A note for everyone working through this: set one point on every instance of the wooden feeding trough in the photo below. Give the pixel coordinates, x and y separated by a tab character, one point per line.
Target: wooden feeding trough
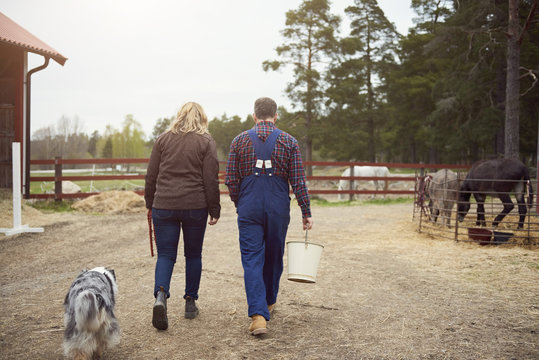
482	236
487	237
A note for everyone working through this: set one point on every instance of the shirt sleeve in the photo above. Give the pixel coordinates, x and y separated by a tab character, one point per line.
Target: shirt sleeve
210	173
297	181
151	175
232	176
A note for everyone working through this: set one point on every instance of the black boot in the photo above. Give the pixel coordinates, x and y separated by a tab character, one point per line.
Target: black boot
191	310
160	320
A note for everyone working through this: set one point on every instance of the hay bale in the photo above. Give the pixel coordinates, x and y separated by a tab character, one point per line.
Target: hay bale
6	210
112	202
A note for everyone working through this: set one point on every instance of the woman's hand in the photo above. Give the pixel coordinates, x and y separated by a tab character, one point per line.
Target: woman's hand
213	220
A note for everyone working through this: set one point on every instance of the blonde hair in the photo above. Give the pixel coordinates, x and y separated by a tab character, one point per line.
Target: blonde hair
190	118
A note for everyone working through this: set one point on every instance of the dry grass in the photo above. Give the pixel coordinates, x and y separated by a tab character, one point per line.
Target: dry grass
384	291
528	236
111	202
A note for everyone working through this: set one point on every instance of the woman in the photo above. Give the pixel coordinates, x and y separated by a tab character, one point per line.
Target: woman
182	188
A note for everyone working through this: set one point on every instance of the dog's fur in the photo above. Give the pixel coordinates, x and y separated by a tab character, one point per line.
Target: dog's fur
90	324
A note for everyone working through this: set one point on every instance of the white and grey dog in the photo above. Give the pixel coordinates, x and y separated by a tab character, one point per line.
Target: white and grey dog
90	324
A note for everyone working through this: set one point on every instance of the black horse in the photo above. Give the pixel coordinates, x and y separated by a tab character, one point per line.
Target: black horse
501	177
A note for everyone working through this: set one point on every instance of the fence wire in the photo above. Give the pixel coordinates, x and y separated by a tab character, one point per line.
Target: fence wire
437	214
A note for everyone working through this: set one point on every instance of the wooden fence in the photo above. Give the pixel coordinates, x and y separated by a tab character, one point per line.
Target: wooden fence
318	185
58	164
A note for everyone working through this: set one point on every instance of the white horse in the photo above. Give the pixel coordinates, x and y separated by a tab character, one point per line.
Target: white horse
367	171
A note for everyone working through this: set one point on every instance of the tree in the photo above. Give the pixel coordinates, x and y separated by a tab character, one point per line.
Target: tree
66	139
411	132
512	94
409	102
107	149
512	88
92	143
529	79
476	42
160	127
43	143
129	143
309	33
430	14
376	37
225	129
470	89
357	81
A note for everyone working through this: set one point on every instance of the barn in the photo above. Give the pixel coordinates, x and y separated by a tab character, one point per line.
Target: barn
15	90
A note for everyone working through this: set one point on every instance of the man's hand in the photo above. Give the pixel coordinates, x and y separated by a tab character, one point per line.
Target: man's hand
307	223
213	221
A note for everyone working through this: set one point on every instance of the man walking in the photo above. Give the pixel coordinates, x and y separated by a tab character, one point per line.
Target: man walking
261	163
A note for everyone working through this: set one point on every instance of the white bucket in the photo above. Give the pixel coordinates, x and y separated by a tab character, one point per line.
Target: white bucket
303	260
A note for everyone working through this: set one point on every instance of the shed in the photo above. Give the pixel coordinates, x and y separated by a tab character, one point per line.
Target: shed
15	90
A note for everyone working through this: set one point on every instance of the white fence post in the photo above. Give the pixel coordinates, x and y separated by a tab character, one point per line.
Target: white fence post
16	167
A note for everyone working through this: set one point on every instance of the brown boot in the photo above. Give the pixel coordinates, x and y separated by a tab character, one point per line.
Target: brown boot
258	325
271	308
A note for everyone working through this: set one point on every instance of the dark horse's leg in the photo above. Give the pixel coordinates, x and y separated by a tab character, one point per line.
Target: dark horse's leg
480	199
521	211
520	191
507	207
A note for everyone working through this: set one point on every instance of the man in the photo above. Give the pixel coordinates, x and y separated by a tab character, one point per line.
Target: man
261	163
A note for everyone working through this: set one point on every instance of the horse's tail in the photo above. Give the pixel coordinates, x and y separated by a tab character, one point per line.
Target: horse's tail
465	191
529	191
528	188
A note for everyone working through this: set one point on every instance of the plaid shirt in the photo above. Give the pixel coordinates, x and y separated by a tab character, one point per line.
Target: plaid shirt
286	160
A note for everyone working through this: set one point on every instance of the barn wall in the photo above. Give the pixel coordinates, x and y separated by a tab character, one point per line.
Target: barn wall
11	107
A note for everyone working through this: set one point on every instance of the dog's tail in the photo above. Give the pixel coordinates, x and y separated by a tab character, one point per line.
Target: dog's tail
87	312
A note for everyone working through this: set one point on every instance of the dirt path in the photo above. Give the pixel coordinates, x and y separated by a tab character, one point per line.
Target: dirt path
384	291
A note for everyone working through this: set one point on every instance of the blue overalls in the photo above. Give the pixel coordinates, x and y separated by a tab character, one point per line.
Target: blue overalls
263	218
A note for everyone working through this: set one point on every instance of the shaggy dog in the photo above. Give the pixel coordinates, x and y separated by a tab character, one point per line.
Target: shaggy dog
90	324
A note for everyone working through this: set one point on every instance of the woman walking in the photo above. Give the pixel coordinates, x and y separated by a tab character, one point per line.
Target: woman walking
182	189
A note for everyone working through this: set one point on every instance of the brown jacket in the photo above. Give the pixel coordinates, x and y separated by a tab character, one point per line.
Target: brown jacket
183	173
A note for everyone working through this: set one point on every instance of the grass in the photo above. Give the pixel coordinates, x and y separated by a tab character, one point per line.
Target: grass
316	201
88	186
50	206
135	184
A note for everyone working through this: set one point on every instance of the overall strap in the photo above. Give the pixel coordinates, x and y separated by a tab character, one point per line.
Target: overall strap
263	150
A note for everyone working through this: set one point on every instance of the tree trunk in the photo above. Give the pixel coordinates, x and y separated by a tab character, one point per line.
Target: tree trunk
512	89
370	101
499	104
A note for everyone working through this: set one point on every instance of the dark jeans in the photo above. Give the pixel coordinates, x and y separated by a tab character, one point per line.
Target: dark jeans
168	224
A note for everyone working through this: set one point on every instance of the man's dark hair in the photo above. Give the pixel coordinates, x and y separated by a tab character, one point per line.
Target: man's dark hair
265	108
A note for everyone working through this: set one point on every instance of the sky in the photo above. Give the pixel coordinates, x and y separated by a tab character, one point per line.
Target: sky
147	58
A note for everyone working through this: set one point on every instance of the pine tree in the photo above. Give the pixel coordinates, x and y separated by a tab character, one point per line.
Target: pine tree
309	37
357	81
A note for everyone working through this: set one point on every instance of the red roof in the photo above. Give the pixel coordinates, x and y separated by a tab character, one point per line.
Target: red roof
13	34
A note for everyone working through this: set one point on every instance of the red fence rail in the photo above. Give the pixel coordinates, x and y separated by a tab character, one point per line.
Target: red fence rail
58	177
58	164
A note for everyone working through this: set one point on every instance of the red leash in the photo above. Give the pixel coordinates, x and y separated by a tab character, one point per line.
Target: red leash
150	228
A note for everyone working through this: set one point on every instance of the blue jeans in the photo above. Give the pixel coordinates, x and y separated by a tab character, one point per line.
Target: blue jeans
168	224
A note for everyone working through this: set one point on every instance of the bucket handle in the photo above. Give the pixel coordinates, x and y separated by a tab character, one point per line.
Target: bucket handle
306	242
